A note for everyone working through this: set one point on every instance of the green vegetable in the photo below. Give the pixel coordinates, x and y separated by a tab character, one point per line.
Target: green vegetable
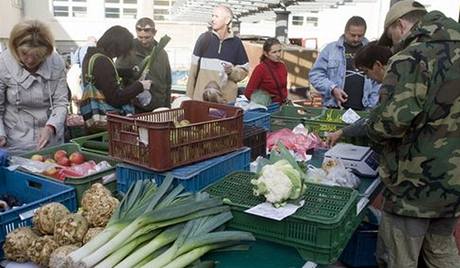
154	220
261	97
164	238
96	145
132	206
126	250
281	180
150	59
195	236
155	226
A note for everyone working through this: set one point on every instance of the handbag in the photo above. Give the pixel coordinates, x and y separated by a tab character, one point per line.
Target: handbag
93	105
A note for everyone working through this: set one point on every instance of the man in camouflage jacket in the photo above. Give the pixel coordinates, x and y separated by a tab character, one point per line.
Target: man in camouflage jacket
128	66
416	128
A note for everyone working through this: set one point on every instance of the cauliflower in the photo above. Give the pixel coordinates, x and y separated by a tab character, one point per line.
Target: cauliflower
278	183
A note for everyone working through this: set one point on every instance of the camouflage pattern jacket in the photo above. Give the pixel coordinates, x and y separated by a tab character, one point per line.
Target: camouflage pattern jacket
416	128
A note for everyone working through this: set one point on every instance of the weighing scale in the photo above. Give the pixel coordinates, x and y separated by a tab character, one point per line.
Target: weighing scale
360	159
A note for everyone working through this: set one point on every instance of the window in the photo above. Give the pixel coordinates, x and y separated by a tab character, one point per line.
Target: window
297	20
79	12
69	8
61	11
112	12
161	3
160	11
312	21
121	9
130	13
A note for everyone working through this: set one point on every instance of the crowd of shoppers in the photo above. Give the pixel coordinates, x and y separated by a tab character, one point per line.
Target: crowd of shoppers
408	82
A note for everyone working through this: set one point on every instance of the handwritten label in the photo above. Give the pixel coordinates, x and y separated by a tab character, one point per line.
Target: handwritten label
267	210
350	116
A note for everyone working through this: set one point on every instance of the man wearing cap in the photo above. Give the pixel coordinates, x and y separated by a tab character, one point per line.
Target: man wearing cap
335	77
129	66
416	129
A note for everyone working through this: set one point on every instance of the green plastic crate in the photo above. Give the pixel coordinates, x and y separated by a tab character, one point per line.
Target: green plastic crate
320	229
76	131
96	143
317	120
80	184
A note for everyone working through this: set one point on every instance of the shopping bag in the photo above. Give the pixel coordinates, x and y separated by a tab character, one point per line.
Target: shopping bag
93	105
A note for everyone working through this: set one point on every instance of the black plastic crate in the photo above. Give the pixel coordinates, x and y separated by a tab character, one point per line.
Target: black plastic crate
256	139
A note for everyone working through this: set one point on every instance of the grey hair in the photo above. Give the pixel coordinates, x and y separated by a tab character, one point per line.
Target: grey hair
227	9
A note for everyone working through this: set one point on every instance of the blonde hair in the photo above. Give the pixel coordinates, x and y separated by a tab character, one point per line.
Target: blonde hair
212	93
31	35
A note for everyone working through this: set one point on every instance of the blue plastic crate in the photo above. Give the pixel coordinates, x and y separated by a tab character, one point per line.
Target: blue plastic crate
193	177
360	250
274	107
257	119
34	192
271	108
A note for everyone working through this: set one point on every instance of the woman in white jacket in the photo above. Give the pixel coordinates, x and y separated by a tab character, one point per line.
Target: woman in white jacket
33	91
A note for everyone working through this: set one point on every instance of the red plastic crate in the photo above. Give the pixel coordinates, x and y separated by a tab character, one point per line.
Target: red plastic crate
151	140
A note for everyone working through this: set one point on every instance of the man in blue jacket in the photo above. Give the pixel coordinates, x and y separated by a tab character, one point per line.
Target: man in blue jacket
335	77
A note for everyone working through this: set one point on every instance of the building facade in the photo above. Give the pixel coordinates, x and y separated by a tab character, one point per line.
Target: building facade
73	21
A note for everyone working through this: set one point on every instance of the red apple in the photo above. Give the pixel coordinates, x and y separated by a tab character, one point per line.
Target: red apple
63	161
77	158
38	157
60	154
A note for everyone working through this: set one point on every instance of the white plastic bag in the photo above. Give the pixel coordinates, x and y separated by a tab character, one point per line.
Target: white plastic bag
333	173
338	174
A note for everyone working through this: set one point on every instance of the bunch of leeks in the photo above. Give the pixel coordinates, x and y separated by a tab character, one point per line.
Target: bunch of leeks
154	226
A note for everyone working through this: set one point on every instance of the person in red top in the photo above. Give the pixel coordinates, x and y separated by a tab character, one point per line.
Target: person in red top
271	73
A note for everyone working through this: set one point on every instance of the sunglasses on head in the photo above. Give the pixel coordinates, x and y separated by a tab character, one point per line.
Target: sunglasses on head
144	29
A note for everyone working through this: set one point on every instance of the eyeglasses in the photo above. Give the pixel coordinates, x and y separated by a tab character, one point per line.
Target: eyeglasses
145	29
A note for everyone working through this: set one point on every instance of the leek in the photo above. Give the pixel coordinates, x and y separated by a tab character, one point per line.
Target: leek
124	251
157	218
151	257
133	205
150	59
196	234
164	238
191	256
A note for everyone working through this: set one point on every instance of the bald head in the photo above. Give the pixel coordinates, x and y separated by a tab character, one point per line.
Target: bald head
221	18
226	10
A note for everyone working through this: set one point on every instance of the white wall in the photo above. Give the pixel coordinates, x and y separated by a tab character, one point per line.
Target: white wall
10	14
76	30
449	7
331	22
